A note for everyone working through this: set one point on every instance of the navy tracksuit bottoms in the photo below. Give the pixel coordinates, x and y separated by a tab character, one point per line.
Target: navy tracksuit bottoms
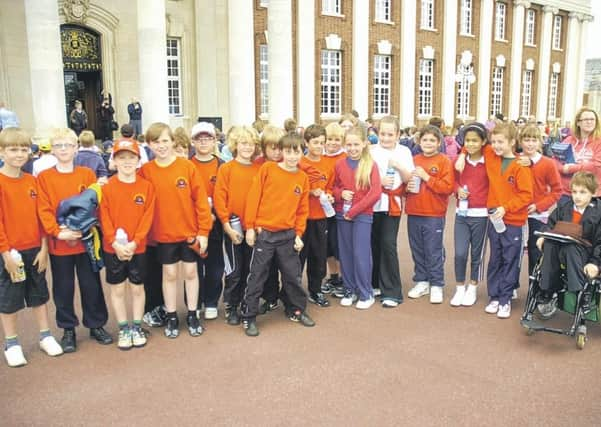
427	249
504	265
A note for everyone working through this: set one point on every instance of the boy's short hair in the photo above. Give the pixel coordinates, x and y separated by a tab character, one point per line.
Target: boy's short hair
290	125
292	141
436	121
586	180
63	133
239	133
86	138
314	131
506	129
431	130
11	137
334	130
181	138
155	130
271	136
127	130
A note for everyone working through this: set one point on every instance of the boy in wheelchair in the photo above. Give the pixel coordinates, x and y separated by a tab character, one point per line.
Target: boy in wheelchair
579	218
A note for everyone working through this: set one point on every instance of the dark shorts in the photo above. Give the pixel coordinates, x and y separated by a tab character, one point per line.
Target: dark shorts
33	292
170	253
332	238
118	271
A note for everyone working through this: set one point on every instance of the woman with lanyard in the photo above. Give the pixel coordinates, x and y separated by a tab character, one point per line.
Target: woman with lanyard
586	145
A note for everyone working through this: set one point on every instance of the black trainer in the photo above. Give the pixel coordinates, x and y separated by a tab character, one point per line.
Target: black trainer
156	317
319	299
231	315
69	341
101	336
250	328
302	318
268	306
194	327
172	328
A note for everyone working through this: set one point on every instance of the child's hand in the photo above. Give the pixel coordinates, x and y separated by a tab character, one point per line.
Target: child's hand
131	248
68	234
591	270
234	236
316	192
419	171
347	195
41	261
539	243
499	213
102	180
251	237
524	160
460	163
298	244
532	208
9	264
462	194
203	241
121	252
331	198
387	181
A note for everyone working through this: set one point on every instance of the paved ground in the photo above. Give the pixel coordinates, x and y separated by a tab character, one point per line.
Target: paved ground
416	365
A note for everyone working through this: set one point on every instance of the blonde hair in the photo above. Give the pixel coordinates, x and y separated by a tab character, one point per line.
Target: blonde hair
11	137
334	130
239	133
576	129
86	138
508	130
63	133
271	136
390	120
531	131
155	130
181	138
349	117
366	162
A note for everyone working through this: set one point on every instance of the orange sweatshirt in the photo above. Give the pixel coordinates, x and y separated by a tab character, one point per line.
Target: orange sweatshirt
53	187
129	206
324	182
547	183
278	200
208	173
182	209
234	180
511	189
433	197
19	225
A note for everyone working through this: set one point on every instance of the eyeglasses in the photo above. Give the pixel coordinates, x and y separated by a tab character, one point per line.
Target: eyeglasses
592	119
203	139
62	145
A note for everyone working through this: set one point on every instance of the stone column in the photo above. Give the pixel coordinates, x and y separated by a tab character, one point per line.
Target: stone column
152	60
206	57
484	52
586	20
361	57
45	64
407	78
305	64
449	61
570	71
517	47
279	30
241	54
544	63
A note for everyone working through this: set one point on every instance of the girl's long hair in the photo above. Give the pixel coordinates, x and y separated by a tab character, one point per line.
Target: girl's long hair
366	162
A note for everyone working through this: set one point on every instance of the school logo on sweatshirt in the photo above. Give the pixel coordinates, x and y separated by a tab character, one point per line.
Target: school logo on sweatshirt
139	199
433	170
181	182
297	190
32	193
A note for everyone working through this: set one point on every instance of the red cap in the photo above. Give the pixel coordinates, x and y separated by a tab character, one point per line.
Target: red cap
126	145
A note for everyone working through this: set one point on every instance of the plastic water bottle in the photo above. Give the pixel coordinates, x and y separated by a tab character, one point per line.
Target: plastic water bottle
327	207
497	223
346	206
19	276
390	172
417	181
121	237
236	224
463	204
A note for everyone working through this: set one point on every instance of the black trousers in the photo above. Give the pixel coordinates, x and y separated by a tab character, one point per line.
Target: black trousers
237	261
153	283
279	246
271	290
93	305
385	273
573	256
315	253
210	274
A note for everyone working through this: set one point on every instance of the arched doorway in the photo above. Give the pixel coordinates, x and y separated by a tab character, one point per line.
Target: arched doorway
82	67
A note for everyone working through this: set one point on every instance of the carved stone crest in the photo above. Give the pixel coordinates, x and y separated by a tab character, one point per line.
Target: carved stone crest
76	10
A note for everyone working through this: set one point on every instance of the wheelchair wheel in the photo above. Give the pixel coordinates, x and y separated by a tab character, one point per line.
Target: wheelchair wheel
581	337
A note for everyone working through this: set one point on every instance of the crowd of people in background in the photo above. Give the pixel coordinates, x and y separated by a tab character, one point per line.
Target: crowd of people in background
238	215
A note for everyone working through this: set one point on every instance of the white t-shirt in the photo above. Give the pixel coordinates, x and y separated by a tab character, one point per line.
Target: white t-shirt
47	161
381	156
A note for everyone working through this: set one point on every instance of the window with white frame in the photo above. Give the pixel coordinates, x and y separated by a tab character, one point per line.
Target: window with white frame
331	82
427	14
426	74
500	18
496	96
530	37
263	79
382	72
463	91
557	32
331	7
383	10
527	79
174	88
465	24
553	90
264	3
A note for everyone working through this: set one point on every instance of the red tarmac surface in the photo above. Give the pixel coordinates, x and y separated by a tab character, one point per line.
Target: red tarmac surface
417	365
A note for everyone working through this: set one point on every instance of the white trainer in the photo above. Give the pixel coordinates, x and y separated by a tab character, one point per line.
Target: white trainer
459	295
348	299
15	357
388	303
365	304
504	311
211	313
470	296
492	307
377	292
419	290
49	346
436	294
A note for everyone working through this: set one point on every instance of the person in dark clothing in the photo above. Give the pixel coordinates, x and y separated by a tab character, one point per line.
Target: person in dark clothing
134	109
105	116
89	156
78	119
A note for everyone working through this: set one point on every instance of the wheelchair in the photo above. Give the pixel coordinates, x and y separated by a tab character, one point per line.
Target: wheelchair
583	305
